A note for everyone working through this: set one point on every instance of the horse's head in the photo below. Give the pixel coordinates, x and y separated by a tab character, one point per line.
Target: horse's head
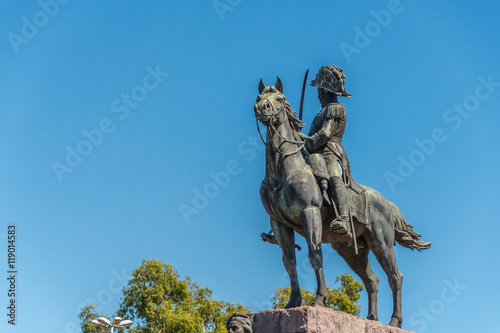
271	103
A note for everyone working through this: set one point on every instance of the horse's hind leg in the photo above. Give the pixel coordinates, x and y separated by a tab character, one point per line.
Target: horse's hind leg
286	238
361	266
387	259
310	219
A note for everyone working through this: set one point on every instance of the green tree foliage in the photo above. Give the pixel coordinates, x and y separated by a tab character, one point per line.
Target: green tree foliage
345	298
86	315
157	300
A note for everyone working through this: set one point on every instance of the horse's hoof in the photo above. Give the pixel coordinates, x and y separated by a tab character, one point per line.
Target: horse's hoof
395	322
371	316
318	304
319	301
293	304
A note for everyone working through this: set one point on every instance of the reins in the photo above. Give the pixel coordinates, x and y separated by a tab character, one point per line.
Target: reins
258	129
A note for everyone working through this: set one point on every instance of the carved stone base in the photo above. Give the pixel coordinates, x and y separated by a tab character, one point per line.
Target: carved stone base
309	319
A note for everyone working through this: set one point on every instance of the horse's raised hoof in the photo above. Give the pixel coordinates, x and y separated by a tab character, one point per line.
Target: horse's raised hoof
395	322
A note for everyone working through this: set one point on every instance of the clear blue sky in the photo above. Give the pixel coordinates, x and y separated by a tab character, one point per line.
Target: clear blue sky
165	90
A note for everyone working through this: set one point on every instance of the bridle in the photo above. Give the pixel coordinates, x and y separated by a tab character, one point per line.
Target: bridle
273	129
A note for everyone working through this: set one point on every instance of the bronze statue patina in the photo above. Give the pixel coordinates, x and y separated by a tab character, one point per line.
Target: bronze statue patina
293	194
239	323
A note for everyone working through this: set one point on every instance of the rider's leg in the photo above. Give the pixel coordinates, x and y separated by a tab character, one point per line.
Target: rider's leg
339	190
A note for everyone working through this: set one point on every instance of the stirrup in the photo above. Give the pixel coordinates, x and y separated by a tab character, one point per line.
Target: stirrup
341	225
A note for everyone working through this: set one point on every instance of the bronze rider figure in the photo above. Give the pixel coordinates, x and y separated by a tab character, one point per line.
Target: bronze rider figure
325	138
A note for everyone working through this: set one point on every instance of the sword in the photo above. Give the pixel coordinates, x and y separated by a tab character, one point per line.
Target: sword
301	109
344	176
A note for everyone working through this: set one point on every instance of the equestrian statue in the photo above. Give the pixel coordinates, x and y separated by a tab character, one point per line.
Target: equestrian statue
308	188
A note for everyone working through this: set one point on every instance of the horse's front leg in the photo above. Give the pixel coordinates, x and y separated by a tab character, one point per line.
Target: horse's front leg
310	219
286	239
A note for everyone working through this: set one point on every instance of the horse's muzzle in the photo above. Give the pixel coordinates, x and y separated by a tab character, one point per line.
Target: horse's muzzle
263	118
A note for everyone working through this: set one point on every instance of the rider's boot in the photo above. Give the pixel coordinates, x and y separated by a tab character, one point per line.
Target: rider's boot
341	223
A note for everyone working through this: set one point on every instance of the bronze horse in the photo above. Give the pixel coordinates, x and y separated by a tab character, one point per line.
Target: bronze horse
292	198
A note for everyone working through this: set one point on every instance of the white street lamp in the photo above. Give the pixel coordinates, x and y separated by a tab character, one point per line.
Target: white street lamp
117	323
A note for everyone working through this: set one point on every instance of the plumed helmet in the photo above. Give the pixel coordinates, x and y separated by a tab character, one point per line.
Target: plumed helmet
331	79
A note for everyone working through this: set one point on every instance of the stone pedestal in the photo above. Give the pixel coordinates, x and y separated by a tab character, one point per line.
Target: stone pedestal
309	319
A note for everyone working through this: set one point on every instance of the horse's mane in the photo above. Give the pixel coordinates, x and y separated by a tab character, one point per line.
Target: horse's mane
295	122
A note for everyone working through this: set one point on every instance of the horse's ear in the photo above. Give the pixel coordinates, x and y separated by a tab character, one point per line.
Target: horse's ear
261	86
279	84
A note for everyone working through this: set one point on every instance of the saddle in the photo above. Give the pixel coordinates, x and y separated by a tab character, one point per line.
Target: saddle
357	193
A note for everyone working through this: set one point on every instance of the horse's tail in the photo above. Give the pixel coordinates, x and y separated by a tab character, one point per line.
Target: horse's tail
405	235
